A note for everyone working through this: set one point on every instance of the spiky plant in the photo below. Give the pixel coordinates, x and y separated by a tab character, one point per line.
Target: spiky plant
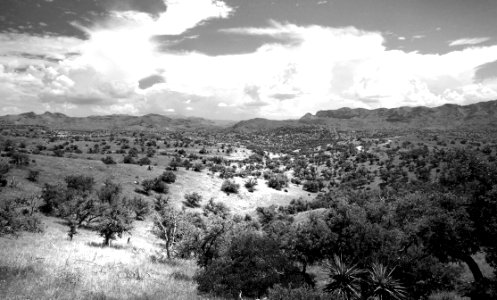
383	285
345	279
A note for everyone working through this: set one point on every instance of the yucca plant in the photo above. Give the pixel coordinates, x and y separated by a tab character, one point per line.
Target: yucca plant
345	279
383	285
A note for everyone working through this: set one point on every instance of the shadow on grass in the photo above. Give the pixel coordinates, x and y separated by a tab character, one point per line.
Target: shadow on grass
8	273
180	276
101	245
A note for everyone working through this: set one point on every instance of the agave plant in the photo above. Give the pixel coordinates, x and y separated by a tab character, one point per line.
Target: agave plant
383	285
345	279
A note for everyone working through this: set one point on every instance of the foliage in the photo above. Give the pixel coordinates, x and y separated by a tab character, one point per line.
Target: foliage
169	224
33	175
230	187
140	207
278	292
345	279
312	186
250	184
277	181
80	183
108	160
168	177
192	200
383	285
252	263
19	214
115	221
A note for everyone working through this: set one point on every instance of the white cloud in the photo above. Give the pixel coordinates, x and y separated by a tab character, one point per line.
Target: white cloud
312	68
469	41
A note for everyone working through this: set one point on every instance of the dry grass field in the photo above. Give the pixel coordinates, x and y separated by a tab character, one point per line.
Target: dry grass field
50	266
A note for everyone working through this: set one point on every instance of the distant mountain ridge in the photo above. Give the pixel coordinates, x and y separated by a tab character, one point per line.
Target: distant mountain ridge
482	115
150	121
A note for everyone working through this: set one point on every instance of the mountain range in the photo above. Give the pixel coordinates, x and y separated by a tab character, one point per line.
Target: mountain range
150	121
482	115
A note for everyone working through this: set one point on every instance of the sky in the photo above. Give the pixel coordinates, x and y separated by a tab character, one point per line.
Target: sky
241	59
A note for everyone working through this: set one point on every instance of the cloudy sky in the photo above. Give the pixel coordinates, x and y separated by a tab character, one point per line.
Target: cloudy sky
239	59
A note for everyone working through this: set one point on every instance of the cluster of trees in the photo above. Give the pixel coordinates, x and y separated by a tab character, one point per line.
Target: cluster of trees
104	209
405	243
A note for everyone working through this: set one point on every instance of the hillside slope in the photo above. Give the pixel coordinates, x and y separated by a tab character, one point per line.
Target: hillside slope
150	121
481	115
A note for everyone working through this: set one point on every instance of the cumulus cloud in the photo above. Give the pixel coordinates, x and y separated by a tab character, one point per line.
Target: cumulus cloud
120	69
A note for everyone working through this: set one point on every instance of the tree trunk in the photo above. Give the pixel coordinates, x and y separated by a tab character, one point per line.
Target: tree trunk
473	267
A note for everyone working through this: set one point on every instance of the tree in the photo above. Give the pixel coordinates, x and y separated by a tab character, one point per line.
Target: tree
115	221
251	263
140	207
168	225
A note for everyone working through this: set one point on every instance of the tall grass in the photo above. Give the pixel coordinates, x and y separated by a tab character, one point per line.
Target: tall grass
49	266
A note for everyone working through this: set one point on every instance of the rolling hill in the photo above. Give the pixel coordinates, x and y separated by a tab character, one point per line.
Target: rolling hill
150	121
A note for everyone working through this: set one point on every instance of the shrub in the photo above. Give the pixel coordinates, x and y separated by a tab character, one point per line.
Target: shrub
19	159
250	184
168	177
198	167
80	182
144	161
140	207
15	217
312	186
277	182
192	200
33	175
230	187
156	185
128	159
108	160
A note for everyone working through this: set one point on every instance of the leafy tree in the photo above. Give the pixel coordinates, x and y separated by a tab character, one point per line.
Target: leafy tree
80	183
140	207
115	221
251	264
